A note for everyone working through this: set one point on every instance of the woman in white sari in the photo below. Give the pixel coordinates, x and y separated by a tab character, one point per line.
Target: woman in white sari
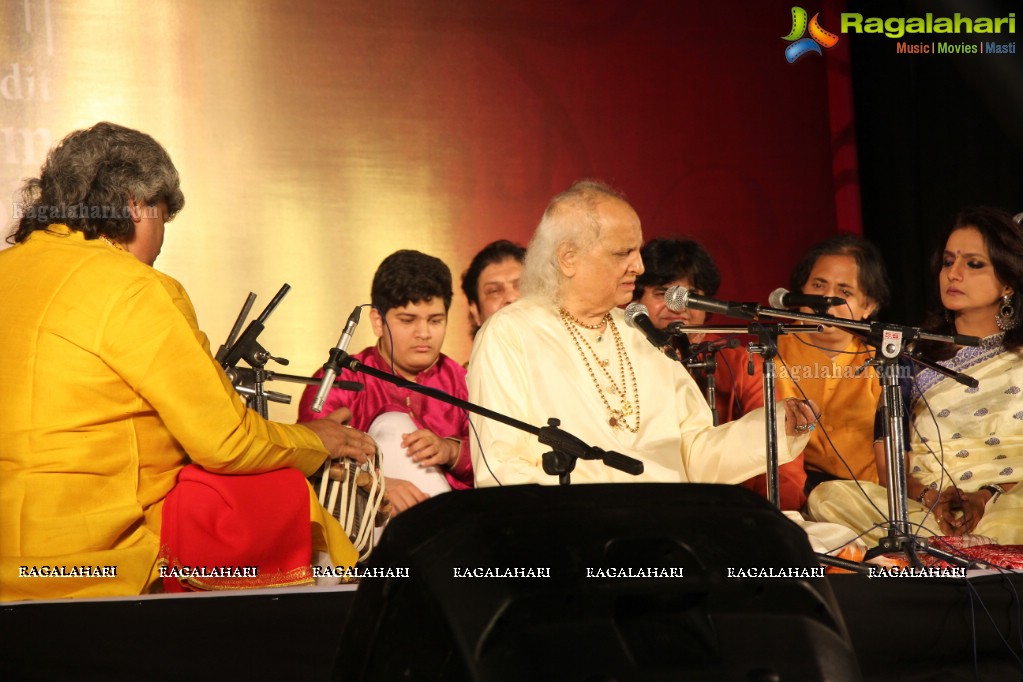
966	455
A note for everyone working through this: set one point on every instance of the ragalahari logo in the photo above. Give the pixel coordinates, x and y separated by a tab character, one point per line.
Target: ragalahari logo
800	45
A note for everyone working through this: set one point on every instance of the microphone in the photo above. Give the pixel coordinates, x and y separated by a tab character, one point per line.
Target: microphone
329	371
679	298
637	316
783	298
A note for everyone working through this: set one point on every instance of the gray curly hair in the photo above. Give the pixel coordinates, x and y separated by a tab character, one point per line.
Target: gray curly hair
571	217
89	180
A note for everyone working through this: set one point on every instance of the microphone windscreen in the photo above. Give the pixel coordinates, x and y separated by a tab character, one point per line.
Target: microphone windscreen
676	298
777	298
632	310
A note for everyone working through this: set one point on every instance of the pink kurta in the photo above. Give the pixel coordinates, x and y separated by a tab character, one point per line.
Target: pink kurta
378	397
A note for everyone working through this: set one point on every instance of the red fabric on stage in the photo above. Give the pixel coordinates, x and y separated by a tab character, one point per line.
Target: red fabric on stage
245	531
975	547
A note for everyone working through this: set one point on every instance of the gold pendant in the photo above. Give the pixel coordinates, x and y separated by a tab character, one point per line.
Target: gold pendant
626	408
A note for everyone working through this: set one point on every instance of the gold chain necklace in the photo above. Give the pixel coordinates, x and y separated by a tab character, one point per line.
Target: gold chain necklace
112	243
617	417
569	316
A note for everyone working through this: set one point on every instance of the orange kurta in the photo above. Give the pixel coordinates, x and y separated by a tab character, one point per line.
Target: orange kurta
107	388
847	400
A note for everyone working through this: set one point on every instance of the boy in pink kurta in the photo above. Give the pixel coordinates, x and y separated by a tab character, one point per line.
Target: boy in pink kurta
411	295
379	397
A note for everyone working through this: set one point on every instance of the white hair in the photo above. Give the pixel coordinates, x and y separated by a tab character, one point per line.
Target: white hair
572	217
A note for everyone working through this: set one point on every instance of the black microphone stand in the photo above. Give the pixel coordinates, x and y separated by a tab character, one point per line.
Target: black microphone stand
702	365
249	381
566	448
701	361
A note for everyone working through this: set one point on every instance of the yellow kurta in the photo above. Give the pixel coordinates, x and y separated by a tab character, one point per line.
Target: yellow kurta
525	365
107	388
847	401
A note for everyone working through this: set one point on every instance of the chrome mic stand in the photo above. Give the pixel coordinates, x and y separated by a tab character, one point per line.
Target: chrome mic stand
767	347
889	339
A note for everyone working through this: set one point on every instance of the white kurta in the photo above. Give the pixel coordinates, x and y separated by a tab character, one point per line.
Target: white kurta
525	365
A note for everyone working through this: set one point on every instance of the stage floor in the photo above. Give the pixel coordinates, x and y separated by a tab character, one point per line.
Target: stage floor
901	629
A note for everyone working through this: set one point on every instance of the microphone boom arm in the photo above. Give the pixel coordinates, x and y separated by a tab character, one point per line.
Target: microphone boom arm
567	448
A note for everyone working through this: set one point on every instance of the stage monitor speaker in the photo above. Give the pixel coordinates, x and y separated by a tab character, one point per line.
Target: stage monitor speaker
468	609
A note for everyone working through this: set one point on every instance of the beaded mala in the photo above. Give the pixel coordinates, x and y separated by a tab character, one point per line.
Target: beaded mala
616	418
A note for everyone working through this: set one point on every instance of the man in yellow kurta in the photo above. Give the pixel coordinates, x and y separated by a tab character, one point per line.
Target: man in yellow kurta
108	389
828	366
847	398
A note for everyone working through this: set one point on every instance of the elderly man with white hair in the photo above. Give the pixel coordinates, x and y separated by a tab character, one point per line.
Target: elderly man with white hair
564	351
